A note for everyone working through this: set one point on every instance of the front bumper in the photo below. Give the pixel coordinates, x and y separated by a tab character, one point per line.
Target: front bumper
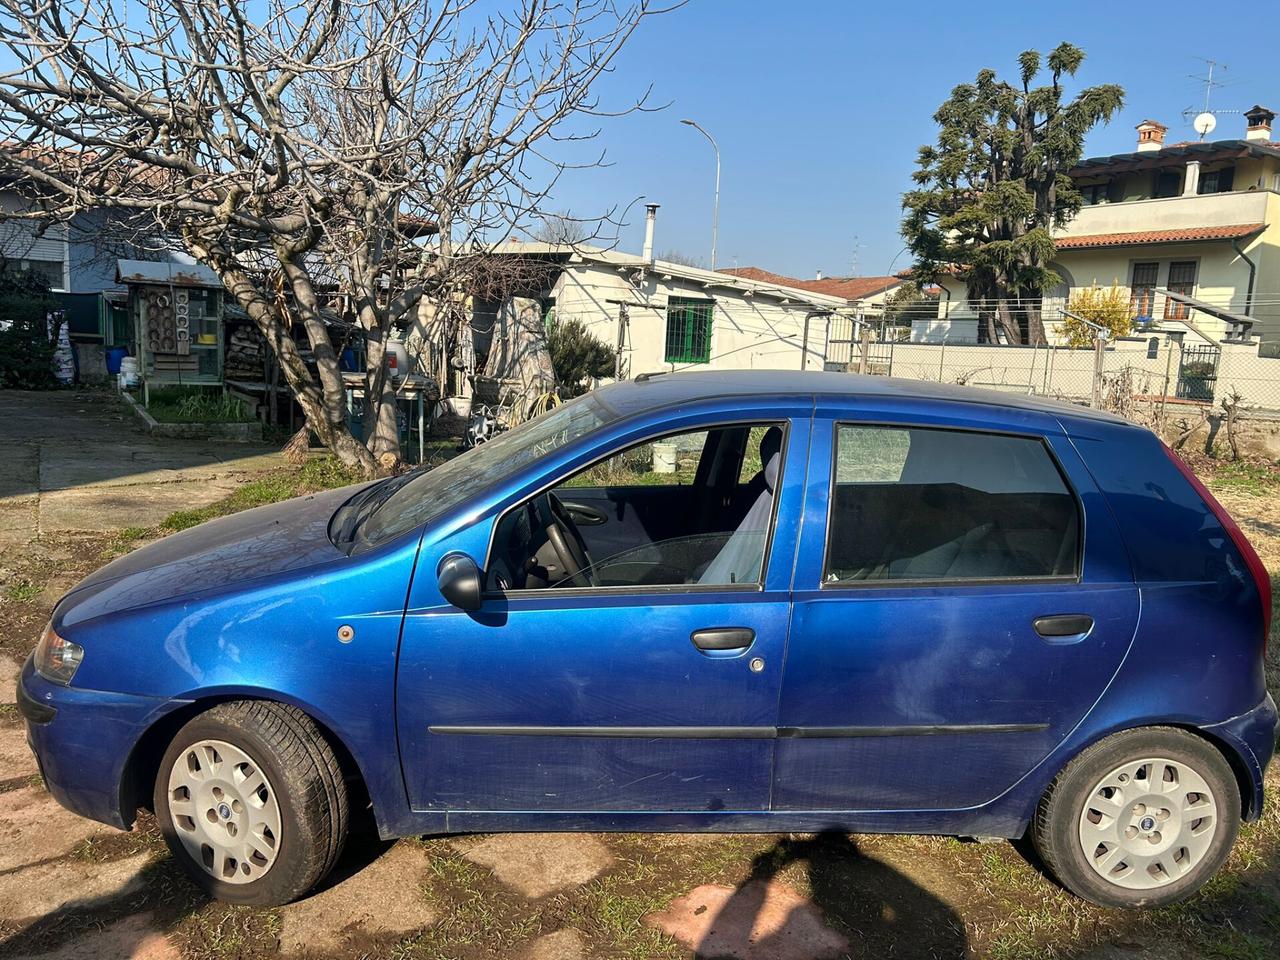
1253	735
83	739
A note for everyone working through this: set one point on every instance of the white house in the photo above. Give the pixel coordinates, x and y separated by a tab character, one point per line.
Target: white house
662	316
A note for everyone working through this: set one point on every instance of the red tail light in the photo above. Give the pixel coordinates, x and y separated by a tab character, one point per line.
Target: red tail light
1251	558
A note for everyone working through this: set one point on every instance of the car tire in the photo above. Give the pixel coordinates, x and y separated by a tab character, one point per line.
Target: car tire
1119	825
250	798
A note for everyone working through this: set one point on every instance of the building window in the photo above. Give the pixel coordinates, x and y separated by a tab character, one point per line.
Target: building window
1182	279
1094	193
1168	184
1217	181
50	271
689	330
1145	277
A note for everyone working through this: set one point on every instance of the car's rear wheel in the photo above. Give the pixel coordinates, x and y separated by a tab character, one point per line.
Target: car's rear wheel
251	800
1142	818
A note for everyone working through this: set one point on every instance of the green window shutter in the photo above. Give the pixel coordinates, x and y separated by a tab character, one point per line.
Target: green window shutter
689	327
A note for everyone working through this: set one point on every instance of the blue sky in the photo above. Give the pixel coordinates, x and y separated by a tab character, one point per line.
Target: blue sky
819	107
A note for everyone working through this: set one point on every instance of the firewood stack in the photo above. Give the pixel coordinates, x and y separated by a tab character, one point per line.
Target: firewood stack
245	349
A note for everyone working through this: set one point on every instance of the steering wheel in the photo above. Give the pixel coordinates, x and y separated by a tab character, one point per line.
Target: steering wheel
570	549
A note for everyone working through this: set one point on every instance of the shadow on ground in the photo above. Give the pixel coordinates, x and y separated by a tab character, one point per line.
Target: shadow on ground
857	906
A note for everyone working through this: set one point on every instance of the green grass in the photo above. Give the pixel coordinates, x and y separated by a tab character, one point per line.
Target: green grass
1259	479
322	473
24	592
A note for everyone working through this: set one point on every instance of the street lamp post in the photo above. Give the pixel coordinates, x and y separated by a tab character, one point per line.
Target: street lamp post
715	215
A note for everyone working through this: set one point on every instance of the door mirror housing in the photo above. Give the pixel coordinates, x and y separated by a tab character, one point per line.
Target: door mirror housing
460	580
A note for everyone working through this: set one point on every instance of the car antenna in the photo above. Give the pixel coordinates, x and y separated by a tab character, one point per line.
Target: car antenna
645	377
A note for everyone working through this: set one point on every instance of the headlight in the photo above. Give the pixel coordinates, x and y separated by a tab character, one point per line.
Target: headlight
56	657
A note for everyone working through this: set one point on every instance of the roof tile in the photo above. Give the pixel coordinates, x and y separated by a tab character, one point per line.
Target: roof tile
850	288
1137	238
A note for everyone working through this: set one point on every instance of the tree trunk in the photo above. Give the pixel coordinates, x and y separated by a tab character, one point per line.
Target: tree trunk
322	407
1007	321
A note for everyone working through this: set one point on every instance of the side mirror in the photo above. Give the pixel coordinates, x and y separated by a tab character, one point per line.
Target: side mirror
460	581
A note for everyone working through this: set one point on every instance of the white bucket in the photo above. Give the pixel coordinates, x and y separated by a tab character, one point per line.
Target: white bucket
129	372
664	458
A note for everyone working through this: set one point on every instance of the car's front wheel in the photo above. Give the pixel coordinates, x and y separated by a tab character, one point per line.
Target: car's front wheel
251	800
1142	818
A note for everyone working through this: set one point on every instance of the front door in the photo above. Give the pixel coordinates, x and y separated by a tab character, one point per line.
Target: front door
955	618
648	684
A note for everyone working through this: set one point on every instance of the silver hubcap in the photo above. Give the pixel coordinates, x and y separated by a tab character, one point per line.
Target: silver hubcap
1147	823
224	811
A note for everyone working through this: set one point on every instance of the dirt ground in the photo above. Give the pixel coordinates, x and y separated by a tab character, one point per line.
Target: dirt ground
73	889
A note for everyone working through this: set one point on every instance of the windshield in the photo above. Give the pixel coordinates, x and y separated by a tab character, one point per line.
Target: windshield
430	493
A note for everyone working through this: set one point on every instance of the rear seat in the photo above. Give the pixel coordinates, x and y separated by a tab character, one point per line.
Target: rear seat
947	531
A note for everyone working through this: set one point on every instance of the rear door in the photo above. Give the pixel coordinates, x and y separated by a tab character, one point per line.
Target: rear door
962	600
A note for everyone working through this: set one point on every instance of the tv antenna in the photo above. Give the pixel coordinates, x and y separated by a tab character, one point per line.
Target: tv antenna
1204	121
857	248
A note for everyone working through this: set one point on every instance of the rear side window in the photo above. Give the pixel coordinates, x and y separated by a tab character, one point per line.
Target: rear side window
912	504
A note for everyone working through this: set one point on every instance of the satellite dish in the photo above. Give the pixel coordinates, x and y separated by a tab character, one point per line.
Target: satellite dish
1204	124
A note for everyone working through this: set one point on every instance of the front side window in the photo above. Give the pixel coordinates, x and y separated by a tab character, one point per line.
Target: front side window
910	504
692	509
689	324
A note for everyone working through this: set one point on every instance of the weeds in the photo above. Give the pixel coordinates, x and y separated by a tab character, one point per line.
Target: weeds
196	405
23	592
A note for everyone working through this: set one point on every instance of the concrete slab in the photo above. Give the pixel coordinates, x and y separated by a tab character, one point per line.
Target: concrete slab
537	864
385	898
133	938
19	521
42	889
761	920
34	827
112	507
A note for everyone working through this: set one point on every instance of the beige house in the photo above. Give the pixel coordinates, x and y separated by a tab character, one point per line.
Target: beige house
1200	219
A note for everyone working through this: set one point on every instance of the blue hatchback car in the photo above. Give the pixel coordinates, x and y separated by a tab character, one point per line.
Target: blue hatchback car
693	602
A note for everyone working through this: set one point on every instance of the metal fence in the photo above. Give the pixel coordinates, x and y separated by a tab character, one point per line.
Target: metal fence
1153	369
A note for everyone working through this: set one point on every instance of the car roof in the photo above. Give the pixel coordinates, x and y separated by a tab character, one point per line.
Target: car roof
657	390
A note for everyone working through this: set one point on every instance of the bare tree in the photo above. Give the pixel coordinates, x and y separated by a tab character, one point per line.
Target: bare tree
563	227
332	160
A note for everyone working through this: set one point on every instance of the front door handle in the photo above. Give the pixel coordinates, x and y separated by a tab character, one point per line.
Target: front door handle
723	638
585	515
1064	625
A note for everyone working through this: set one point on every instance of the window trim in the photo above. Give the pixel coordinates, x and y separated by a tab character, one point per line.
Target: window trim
647	589
823	584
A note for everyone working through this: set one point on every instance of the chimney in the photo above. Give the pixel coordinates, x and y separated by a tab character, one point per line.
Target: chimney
1259	123
819	276
1151	136
650	217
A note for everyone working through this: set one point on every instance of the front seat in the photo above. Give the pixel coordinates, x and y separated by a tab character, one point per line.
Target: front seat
739	559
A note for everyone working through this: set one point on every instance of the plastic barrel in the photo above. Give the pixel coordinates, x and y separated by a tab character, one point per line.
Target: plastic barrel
114	356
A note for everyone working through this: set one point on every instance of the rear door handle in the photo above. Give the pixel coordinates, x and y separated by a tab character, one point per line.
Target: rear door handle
723	638
1064	625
